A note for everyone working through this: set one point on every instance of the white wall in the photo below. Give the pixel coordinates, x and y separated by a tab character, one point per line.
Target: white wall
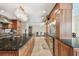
37	27
75	24
75	18
36	23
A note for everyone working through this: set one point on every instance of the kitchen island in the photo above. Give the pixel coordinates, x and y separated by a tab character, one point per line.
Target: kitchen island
11	45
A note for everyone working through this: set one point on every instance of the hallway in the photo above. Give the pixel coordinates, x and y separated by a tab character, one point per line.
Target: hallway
41	48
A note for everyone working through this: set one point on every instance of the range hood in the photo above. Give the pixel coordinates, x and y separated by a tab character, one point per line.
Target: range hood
4	19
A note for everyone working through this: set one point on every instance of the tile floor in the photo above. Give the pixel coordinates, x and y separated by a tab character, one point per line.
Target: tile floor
41	48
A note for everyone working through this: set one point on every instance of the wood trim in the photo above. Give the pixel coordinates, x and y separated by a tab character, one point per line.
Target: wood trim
52	12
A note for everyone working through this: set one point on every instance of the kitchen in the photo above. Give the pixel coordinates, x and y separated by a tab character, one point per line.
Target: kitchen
17	32
14	39
66	39
54	23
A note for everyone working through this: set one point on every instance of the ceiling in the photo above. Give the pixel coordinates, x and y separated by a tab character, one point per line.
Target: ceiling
35	11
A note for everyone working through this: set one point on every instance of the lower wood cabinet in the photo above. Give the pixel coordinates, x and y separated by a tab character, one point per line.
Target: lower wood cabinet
58	48
23	50
76	52
66	50
26	50
62	49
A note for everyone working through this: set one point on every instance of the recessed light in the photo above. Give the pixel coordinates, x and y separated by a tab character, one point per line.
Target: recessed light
2	11
42	17
44	11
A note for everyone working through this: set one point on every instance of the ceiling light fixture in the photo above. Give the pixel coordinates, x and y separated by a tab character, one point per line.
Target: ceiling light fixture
44	11
19	13
42	17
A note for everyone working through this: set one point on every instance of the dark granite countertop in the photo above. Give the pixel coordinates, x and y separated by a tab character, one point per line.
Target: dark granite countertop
12	42
73	42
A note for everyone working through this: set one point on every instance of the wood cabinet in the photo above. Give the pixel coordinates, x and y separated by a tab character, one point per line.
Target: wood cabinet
58	48
62	13
26	50
76	52
23	50
62	49
5	26
66	50
17	25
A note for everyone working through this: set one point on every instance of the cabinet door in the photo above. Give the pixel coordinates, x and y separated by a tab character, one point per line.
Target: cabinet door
30	46
66	50
23	50
76	52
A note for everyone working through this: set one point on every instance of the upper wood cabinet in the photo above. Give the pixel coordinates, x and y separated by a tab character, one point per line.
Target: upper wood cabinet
17	25
5	26
62	13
